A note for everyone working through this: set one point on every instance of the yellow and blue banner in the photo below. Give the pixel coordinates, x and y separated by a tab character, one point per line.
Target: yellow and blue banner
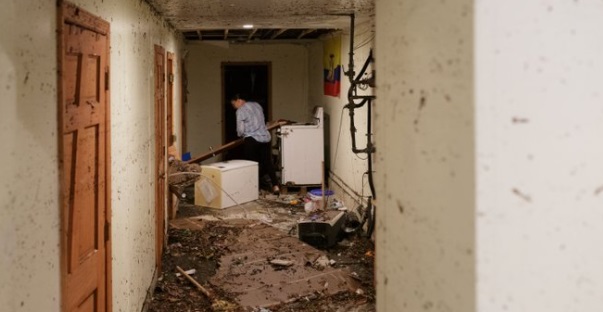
332	66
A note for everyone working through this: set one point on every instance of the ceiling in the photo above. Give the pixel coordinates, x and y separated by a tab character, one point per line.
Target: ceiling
271	19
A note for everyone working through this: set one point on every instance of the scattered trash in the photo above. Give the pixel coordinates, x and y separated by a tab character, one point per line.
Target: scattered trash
266	220
309	207
322	262
189	272
176	245
355	276
337	204
271	197
345	243
246	268
223	305
281	262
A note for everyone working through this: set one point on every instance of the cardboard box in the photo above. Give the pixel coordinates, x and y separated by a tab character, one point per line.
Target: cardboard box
226	184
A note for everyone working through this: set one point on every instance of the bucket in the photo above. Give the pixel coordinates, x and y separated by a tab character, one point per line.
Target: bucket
316	197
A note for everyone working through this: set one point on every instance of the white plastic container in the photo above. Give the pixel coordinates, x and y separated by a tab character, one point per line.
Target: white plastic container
237	178
316	197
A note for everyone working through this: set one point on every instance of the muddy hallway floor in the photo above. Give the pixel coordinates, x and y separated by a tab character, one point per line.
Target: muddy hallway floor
249	258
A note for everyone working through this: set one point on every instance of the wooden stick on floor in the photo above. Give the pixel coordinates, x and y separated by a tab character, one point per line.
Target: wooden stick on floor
192	280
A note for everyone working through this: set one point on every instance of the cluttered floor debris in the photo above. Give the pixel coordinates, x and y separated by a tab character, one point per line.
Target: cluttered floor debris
250	258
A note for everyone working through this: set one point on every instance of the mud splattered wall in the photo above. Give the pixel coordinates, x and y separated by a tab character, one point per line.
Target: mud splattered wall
135	29
29	193
346	168
289	85
425	156
29	214
539	110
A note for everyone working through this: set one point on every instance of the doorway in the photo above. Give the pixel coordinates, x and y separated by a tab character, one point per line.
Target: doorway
84	158
252	80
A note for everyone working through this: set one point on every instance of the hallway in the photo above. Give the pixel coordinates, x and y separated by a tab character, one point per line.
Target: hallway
478	121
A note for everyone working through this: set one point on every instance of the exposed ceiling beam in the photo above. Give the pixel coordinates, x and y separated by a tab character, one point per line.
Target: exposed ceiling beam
225	34
252	33
199	35
278	33
305	33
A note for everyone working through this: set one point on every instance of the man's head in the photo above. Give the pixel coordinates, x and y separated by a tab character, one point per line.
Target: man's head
237	101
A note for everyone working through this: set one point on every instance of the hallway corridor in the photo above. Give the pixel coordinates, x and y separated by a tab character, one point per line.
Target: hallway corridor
463	134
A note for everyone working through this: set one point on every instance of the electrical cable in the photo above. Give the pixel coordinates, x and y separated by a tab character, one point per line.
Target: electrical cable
338	137
364	43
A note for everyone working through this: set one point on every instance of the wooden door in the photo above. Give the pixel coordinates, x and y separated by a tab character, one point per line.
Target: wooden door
160	151
84	160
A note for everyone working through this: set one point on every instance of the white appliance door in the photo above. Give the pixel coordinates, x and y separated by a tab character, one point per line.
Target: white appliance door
302	155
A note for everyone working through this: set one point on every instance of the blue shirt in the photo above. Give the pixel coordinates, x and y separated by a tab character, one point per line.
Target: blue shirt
250	122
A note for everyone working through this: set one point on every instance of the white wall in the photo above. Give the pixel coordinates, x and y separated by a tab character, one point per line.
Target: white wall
346	168
539	111
204	108
29	209
425	156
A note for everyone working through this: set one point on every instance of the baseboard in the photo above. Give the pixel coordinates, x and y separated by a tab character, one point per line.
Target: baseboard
351	199
149	297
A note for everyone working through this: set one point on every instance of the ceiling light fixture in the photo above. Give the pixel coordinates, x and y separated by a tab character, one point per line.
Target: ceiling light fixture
248	26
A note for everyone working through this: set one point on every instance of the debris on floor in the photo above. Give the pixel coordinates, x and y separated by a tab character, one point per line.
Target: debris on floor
249	258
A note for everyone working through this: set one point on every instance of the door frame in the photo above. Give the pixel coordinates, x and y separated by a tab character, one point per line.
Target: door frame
171	78
90	21
160	139
183	104
223	89
170	74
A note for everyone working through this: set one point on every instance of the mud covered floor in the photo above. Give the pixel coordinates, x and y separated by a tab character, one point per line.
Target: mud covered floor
232	249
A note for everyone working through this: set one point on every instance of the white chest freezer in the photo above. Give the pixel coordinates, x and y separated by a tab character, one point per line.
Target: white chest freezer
302	152
224	184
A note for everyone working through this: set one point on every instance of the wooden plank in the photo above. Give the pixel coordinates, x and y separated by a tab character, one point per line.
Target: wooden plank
305	32
229	145
252	33
278	33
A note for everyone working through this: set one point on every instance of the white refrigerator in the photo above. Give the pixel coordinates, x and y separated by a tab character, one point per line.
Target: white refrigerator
302	151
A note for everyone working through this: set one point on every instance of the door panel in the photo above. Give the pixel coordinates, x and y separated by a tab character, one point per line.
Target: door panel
83	106
160	150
